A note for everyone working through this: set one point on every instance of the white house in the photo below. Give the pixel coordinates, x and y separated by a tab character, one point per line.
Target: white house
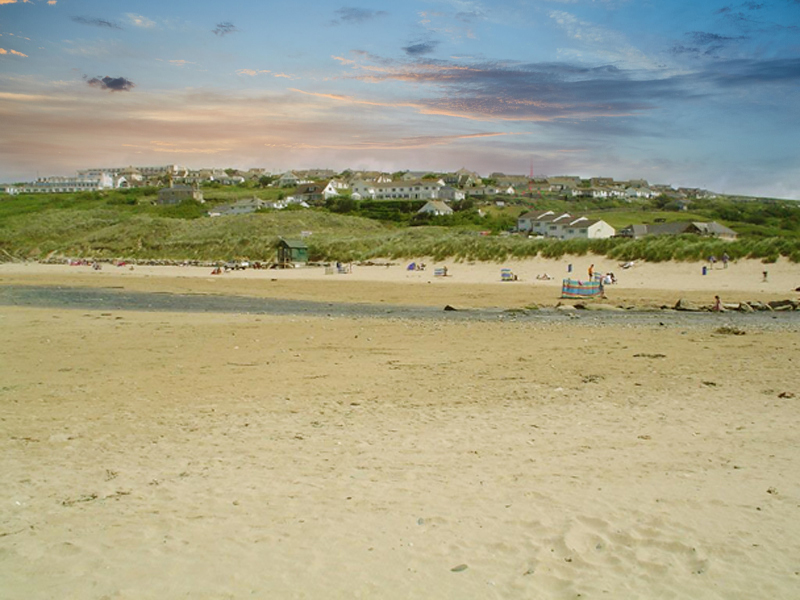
435	207
290	179
585	228
563	226
314	192
399	190
362	189
241	207
450	193
45	185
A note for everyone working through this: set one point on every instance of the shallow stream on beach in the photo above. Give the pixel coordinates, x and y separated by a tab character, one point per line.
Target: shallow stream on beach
116	299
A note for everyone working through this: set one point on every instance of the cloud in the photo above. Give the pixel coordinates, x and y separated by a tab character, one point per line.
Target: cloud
420	48
140	21
555	91
14	1
705	44
402	143
96	22
224	28
112	84
252	72
355	16
606	44
181	62
14	52
52	2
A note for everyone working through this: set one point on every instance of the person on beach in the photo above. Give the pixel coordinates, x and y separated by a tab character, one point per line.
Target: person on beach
591	272
725	259
765	273
717	304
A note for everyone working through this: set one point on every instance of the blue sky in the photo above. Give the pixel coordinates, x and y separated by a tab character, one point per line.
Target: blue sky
699	94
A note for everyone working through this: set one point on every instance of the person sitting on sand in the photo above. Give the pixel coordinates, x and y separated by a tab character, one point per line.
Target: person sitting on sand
544	277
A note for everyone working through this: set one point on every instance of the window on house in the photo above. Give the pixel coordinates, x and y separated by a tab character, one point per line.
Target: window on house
553	227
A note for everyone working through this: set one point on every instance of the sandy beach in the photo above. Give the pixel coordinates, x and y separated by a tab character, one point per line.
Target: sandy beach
468	285
183	455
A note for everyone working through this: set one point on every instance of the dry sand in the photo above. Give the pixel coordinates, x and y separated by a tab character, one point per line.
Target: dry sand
155	455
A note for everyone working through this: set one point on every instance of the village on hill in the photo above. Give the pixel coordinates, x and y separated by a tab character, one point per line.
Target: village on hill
314	184
437	191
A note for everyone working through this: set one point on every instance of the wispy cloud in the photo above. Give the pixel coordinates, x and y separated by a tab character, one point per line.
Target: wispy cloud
15	1
420	48
600	42
702	43
172	148
224	28
180	62
252	72
350	15
391	143
96	22
13	52
510	91
140	21
112	84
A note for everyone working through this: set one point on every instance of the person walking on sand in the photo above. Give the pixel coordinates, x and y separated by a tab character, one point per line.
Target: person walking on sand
591	271
725	259
717	304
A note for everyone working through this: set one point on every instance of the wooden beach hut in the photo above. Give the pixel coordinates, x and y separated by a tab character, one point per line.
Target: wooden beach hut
292	252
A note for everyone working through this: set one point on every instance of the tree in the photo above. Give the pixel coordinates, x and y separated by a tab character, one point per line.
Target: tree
265	180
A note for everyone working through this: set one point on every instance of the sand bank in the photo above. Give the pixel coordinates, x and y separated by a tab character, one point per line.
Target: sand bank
155	455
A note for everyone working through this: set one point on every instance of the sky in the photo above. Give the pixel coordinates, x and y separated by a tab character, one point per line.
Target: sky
693	94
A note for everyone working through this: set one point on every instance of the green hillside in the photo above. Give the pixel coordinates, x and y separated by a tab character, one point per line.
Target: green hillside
129	225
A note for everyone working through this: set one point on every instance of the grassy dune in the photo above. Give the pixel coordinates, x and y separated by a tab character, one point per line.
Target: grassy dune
128	225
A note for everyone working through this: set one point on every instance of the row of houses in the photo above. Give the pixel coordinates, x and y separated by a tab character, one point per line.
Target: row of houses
563	226
566	227
710	229
416	185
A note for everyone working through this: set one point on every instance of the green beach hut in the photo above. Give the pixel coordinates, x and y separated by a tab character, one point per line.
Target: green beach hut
291	252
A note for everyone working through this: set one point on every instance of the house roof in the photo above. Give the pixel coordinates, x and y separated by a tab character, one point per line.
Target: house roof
312	188
715	228
297	244
405	184
437	205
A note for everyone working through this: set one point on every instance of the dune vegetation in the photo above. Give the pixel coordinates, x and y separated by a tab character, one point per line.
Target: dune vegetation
129	225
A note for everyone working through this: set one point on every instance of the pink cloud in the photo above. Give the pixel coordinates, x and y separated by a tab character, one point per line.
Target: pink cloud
14	52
